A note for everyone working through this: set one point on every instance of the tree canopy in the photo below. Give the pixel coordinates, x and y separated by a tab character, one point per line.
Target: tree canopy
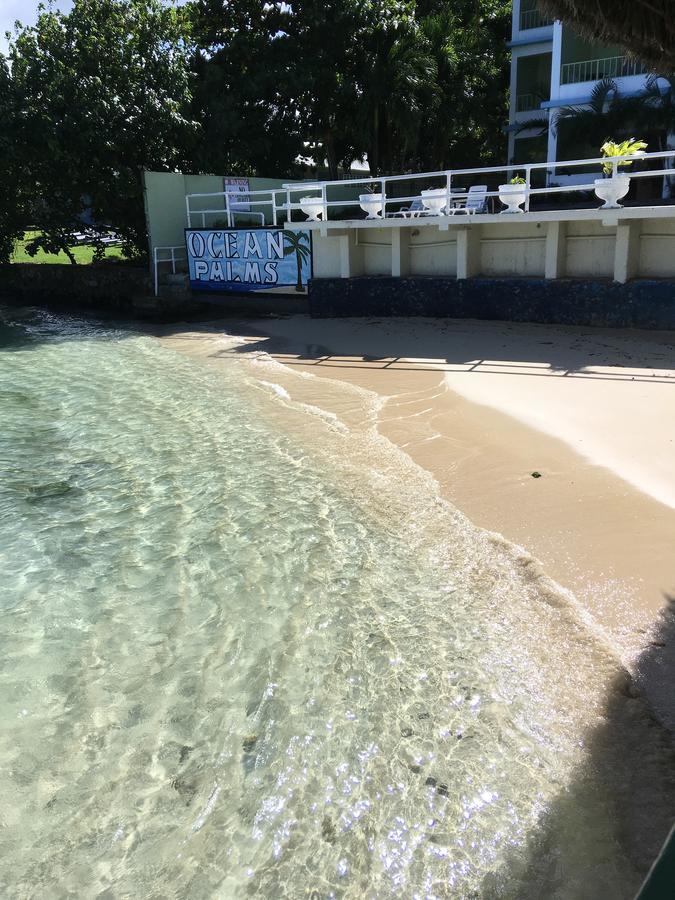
94	96
104	91
644	27
11	214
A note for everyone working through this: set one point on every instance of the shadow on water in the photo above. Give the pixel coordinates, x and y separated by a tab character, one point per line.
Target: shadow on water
627	778
24	328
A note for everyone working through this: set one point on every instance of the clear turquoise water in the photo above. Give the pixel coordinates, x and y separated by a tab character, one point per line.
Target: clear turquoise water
244	653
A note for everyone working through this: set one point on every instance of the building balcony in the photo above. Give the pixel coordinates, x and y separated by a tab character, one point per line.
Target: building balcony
527	102
533	18
597	69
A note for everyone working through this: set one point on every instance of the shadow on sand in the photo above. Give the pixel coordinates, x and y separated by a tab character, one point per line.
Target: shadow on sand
446	345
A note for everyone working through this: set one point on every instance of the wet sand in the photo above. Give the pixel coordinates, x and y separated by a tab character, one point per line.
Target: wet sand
482	406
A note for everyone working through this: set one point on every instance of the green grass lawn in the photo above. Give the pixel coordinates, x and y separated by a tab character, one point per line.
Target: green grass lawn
83	254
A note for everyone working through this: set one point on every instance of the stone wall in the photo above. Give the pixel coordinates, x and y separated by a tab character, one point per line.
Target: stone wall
128	290
102	287
636	304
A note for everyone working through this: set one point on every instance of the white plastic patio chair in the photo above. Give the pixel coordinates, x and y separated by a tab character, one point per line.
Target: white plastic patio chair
415	209
474	202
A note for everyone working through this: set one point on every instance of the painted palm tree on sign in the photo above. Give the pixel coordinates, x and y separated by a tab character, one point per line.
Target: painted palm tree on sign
297	242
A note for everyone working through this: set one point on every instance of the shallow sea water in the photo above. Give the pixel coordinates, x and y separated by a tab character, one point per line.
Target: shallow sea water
247	651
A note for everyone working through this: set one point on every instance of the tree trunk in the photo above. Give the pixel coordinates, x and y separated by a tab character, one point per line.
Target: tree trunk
298	263
331	157
374	155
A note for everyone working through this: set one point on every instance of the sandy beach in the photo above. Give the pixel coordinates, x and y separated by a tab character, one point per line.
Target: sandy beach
559	439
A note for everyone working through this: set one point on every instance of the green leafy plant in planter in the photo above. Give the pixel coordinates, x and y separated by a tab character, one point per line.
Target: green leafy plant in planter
614	185
513	194
612	149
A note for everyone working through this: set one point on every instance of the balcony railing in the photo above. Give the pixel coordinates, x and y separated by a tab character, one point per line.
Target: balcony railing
596	69
533	18
527	102
438	191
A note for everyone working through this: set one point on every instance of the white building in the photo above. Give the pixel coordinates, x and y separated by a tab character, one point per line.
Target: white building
552	67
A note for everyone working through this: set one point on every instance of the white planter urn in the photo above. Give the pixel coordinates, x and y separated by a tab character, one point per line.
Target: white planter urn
312	207
611	190
512	196
434	199
371	204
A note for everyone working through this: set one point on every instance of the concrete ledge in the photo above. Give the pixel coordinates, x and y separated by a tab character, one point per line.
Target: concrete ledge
636	304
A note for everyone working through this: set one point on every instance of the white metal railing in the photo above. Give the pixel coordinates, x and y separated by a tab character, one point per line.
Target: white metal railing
597	69
533	18
174	254
232	206
527	102
447	188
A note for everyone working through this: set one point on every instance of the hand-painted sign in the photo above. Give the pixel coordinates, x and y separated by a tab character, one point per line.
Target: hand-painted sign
256	259
240	188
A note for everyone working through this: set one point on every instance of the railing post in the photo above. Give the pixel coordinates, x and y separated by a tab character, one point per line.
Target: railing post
227	209
274	208
383	188
324	201
289	211
448	192
528	185
187	210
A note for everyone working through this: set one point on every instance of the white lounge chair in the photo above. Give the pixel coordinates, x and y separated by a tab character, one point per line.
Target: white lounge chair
474	202
415	209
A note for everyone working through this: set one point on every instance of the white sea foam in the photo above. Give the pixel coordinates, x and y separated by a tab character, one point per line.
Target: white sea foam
277	389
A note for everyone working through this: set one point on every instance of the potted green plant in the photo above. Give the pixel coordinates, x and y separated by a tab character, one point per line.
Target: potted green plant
614	185
513	194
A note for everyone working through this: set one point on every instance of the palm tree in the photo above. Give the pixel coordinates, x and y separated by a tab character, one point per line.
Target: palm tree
395	72
659	105
608	114
297	242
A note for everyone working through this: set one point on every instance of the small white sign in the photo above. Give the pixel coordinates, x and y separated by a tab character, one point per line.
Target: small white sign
240	187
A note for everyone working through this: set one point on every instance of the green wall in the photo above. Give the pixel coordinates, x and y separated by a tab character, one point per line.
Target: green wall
165	209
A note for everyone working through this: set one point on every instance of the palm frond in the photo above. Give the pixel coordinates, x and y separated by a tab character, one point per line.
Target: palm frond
540	123
645	28
604	91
